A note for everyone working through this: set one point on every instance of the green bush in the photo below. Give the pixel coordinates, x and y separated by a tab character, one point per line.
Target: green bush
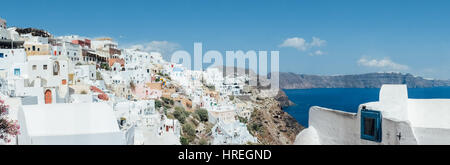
180	114
158	104
203	142
256	127
202	114
184	141
189	131
167	100
242	119
211	87
105	66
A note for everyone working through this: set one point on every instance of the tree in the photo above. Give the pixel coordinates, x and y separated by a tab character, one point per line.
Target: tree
189	131
8	128
158	104
202	113
180	114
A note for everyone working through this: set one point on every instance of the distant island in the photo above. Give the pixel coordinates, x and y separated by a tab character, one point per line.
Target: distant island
369	80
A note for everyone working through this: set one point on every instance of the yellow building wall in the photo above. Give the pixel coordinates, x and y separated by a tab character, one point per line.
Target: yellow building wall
40	49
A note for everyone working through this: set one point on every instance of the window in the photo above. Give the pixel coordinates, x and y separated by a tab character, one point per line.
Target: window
16	71
1	55
34	48
45	67
371	125
34	67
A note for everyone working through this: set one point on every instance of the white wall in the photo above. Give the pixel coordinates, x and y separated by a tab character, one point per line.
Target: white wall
429	113
335	127
47	74
87	139
12	56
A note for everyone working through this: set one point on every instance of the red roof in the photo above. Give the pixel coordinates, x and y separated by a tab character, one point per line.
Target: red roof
95	89
103	97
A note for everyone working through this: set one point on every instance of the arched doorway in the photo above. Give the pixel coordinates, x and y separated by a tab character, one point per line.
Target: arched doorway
56	68
48	96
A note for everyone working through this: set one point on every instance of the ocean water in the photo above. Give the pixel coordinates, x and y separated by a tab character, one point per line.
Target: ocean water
347	99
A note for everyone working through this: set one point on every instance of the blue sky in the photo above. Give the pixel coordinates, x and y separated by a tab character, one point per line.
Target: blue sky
356	36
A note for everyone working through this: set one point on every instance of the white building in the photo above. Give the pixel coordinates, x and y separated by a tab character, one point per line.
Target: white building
72	51
231	133
69	124
394	119
42	77
8	57
4	35
85	74
223	113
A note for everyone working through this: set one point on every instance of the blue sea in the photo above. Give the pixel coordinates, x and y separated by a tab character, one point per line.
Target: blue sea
347	99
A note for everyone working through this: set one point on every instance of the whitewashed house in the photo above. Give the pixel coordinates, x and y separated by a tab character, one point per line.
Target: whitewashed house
69	124
85	74
394	119
223	113
232	133
68	49
42	77
11	57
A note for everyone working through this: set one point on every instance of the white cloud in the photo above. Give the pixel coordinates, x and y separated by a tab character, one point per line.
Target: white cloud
164	47
301	44
318	42
298	43
317	53
384	63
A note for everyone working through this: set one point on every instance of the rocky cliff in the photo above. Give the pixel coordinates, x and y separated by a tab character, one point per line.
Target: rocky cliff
283	99
369	80
271	125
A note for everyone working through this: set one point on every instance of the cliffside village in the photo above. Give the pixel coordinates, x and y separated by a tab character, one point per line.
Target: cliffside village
78	90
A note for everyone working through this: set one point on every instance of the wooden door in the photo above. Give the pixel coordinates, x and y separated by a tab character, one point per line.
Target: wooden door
48	97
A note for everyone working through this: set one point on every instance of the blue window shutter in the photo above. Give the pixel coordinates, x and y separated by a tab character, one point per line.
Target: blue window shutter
376	122
17	71
1	55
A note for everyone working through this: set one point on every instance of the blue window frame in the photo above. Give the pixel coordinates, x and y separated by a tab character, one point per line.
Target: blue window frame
371	125
16	71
